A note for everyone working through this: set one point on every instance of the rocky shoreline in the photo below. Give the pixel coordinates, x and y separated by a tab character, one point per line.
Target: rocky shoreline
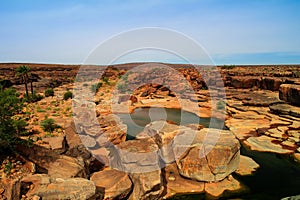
261	111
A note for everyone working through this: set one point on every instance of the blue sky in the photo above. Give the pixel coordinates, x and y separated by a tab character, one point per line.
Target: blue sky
231	31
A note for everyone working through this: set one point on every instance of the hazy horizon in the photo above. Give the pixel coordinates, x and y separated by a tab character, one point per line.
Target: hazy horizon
231	31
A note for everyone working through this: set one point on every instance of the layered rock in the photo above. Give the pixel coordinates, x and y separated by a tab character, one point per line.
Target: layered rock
245	82
176	184
266	144
285	109
212	155
290	93
136	156
271	83
163	134
247	166
57	166
50	188
148	185
113	183
140	159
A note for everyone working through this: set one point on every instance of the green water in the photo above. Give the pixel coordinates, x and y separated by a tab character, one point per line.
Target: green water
277	177
137	120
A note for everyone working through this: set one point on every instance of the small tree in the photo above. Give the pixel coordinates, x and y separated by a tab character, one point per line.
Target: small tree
23	72
49	92
10	127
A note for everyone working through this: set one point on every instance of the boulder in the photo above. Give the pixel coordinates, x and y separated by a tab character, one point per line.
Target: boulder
75	146
176	184
290	93
140	158
115	184
148	185
57	166
136	156
72	137
163	134
212	155
57	144
67	167
57	188
247	166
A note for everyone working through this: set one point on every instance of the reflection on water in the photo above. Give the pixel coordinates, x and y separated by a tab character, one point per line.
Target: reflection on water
137	120
277	177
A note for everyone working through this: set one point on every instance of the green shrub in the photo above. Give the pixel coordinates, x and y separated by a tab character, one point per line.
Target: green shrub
49	92
49	125
204	88
95	87
20	126
68	95
8	167
33	98
10	127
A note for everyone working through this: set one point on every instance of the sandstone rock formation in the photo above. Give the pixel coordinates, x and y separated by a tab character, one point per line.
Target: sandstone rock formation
290	93
247	166
212	156
50	188
112	183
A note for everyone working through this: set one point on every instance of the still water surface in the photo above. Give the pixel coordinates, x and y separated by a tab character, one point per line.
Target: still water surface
277	177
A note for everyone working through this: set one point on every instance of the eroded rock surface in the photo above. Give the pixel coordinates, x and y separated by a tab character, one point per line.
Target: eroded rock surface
57	188
247	166
113	183
212	156
290	93
148	185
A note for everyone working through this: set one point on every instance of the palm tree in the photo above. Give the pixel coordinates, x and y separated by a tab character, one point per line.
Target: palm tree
23	72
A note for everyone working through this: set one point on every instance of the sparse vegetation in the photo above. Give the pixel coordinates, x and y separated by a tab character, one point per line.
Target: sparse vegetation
49	92
33	98
228	66
8	167
10	126
68	95
95	87
49	125
122	87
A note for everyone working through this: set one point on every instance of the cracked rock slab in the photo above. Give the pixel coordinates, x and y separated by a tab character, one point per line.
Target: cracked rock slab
212	156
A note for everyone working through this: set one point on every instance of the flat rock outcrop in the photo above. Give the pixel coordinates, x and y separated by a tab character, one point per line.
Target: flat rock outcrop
113	183
285	109
50	188
290	93
212	156
266	144
247	166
